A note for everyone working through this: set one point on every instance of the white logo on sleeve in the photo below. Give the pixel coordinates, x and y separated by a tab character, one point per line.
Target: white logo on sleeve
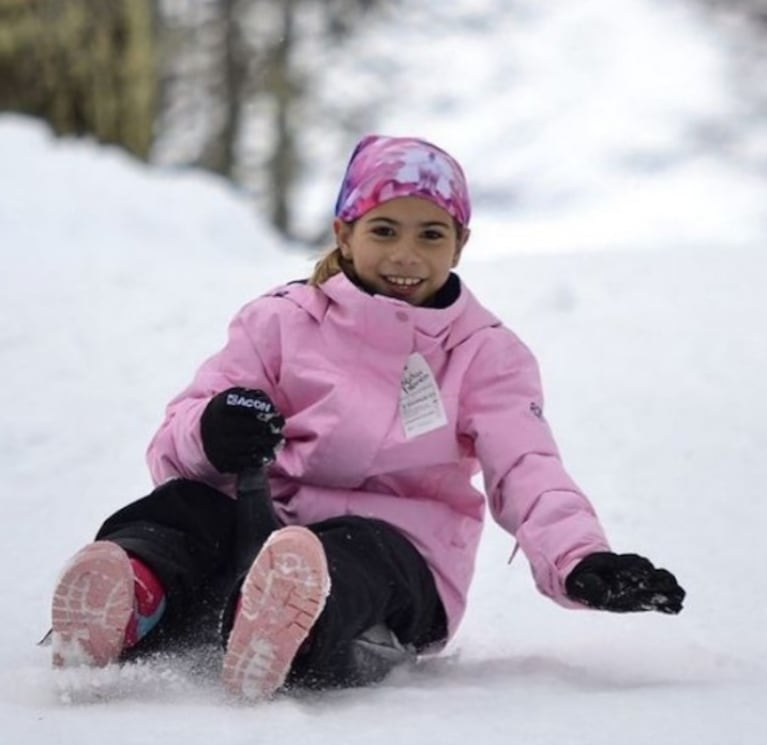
420	404
247	402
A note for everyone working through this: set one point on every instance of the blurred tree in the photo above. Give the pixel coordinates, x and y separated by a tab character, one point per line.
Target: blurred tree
743	24
755	9
232	86
219	153
242	76
85	66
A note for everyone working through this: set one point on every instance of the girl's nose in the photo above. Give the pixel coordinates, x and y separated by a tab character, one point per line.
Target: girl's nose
403	252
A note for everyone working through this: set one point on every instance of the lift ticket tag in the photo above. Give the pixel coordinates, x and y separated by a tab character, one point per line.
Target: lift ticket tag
420	404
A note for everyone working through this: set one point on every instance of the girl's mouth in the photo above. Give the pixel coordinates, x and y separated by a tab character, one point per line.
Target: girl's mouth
402	286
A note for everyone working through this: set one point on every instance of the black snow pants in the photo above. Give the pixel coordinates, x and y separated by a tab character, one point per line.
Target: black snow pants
185	532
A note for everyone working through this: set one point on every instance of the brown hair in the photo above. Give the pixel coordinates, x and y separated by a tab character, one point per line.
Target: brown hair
328	265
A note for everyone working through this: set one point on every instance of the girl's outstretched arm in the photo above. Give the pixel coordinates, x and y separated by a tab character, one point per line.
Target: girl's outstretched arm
530	493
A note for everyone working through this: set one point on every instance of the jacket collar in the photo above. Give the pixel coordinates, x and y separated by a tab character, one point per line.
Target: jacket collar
455	323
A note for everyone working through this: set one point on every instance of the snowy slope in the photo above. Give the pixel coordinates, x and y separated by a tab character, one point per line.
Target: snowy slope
653	365
117	280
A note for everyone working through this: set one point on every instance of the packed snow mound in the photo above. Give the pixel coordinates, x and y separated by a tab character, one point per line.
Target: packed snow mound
109	203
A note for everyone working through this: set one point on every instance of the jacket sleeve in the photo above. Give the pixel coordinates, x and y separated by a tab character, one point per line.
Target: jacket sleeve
251	359
529	492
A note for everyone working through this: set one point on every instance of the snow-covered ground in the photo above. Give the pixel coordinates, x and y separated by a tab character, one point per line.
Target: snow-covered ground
117	280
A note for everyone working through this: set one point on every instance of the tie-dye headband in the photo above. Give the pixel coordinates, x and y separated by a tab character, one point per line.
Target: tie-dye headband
383	168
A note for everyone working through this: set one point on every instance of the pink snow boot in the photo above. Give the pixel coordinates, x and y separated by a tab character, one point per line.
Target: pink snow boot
104	602
281	598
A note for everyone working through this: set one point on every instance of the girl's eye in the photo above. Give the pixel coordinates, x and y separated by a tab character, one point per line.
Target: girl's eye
433	235
383	231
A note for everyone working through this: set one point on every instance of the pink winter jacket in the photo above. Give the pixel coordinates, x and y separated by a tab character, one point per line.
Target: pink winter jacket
332	359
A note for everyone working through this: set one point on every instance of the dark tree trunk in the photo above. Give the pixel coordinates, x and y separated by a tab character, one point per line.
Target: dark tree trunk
85	66
220	151
284	90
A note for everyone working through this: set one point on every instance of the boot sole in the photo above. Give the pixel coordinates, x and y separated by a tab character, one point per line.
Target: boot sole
282	596
92	605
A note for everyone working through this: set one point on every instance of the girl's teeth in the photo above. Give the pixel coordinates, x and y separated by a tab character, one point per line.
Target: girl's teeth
406	281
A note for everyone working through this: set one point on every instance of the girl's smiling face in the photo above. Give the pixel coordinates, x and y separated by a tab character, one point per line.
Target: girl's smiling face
404	248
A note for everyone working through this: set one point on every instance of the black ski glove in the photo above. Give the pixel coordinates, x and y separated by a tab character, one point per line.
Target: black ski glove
240	428
623	583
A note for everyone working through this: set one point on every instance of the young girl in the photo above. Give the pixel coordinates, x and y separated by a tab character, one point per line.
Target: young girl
370	394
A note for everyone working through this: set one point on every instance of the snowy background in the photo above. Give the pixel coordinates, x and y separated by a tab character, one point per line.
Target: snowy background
639	283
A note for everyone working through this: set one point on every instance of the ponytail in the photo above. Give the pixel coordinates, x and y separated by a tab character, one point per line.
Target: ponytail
329	264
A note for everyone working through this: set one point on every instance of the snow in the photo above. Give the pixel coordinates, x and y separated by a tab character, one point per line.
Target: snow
119	279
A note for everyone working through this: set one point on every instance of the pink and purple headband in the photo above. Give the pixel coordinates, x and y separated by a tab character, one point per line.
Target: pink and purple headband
383	168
